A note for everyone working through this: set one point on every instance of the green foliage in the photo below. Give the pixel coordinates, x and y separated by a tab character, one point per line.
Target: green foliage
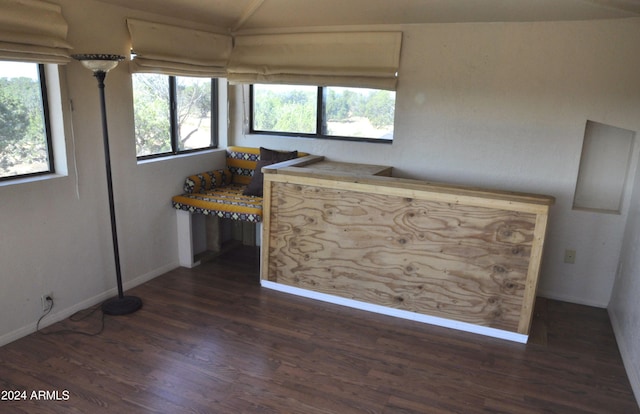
14	116
23	144
337	109
153	116
194	107
380	109
294	111
296	118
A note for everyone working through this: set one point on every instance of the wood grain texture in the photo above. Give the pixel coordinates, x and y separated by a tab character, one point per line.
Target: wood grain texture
465	263
210	340
343	169
535	260
404	187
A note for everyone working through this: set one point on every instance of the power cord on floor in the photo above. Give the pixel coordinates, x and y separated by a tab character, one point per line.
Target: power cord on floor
73	318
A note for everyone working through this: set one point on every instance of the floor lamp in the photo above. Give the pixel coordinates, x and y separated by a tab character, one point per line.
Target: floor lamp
100	65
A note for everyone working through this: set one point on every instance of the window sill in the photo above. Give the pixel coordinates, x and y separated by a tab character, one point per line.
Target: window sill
169	157
30	179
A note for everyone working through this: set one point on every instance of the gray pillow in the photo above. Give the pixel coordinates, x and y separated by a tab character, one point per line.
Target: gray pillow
267	157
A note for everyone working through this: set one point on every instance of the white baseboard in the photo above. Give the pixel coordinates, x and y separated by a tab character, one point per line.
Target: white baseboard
148	276
57	316
633	372
384	310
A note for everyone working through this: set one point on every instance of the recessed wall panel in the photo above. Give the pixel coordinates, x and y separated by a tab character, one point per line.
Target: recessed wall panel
604	165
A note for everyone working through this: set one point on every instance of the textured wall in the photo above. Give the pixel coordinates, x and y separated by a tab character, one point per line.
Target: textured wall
504	106
624	308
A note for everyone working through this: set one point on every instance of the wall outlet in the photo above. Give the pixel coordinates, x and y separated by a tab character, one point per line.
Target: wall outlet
46	304
570	256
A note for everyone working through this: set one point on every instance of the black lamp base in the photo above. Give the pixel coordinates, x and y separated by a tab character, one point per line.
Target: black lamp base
121	306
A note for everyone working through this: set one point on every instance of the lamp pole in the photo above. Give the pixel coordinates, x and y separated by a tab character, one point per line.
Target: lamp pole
100	65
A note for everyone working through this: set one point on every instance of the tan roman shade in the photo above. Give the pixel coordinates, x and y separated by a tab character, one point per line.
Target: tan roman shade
173	50
33	31
355	59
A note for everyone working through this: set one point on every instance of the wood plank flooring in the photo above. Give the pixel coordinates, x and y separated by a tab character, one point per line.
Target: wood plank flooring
210	340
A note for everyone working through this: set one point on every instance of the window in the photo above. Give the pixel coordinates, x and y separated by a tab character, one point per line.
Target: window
25	136
323	112
174	114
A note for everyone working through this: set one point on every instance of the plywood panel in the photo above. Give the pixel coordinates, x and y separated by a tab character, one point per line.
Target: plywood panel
467	263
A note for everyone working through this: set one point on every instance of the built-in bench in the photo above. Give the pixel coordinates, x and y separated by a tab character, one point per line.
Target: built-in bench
233	192
220	192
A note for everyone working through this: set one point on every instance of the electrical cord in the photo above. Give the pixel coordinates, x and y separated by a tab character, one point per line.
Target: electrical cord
73	318
44	314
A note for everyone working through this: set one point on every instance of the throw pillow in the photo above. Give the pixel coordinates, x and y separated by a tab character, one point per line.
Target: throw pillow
267	157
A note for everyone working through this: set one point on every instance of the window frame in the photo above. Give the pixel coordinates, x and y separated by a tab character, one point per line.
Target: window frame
47	130
320	123
173	121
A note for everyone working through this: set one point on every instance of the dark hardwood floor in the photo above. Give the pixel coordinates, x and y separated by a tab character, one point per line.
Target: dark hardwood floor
210	340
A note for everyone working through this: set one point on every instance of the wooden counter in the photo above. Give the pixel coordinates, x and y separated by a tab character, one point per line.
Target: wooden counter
462	257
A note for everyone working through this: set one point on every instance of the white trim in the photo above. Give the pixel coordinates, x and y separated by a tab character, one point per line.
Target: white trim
184	224
172	156
384	310
67	312
627	357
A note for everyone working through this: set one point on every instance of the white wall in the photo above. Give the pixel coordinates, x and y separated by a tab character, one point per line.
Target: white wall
504	105
56	241
624	309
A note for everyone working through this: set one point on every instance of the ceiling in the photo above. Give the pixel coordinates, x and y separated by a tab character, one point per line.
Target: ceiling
235	15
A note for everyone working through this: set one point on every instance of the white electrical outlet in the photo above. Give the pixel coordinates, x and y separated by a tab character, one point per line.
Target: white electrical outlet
46	304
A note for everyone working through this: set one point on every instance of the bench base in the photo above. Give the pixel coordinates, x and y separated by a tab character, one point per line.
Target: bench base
197	233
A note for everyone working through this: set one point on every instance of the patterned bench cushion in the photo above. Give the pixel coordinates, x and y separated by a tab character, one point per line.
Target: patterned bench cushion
242	161
224	202
219	192
206	181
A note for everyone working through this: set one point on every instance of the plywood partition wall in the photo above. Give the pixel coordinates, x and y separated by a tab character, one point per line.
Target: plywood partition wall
453	253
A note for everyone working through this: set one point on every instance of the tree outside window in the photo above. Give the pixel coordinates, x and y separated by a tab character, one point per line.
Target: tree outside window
25	142
174	114
323	112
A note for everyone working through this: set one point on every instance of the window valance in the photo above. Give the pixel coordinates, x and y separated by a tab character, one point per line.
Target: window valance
33	31
356	59
173	50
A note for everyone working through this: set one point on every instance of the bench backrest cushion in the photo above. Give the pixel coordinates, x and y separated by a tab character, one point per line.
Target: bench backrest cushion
200	183
242	161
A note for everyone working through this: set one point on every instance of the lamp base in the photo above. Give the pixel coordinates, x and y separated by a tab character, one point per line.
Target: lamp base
121	306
